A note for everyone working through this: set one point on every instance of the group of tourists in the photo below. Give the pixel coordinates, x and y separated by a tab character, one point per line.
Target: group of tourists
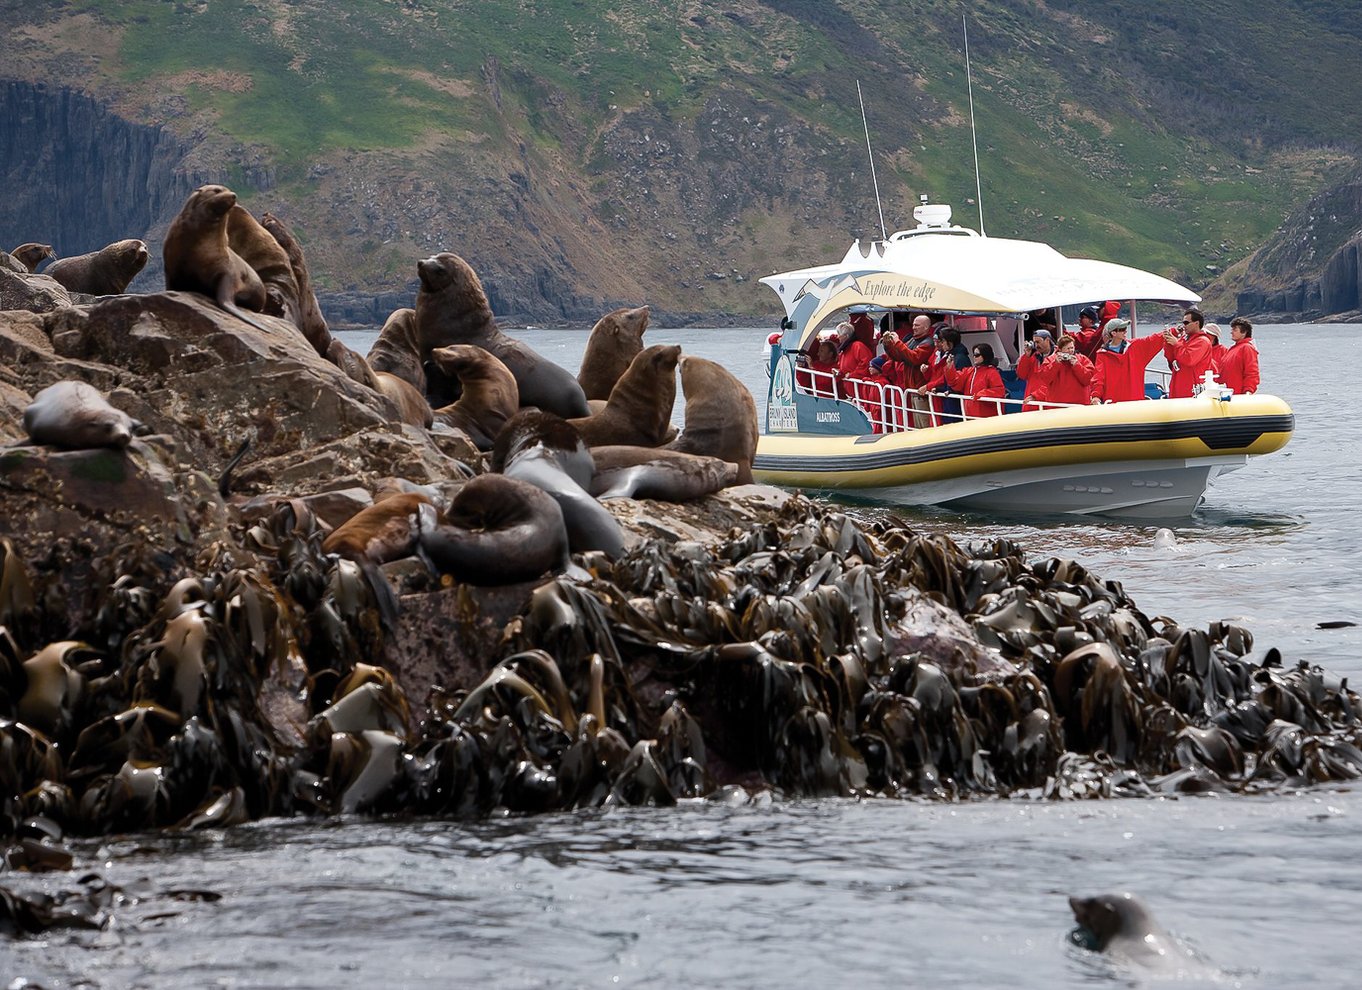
1094	363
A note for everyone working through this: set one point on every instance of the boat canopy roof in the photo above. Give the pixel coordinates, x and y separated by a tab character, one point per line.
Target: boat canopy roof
955	270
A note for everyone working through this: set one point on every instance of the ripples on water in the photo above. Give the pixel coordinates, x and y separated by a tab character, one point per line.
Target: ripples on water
829	893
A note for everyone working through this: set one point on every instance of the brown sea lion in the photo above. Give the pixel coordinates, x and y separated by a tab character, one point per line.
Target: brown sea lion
387	530
497	531
352	363
451	308
720	418
396	352
199	259
105	272
489	396
615	340
412	406
31	255
310	319
259	249
650	472
73	414
546	451
639	410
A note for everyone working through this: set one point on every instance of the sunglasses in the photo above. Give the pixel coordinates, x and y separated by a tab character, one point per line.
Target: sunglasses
1188	323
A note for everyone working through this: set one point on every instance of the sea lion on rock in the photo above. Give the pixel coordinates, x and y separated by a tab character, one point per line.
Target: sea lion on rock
639	410
105	272
451	308
412	407
648	472
387	530
489	396
73	414
546	451
259	249
497	530
310	319
720	418
395	351
199	259
615	340
31	255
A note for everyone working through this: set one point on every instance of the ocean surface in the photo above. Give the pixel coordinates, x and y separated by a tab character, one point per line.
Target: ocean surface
1263	891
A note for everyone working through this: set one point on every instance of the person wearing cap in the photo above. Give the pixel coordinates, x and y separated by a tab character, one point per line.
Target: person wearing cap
1065	378
1088	335
1188	353
1039	352
1118	371
1239	365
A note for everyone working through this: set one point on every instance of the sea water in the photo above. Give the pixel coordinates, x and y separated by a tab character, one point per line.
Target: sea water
1266	890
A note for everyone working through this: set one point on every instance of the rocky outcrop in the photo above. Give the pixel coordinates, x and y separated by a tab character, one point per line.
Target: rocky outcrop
1312	267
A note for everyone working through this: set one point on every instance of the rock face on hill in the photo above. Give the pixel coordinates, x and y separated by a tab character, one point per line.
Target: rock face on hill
1312	268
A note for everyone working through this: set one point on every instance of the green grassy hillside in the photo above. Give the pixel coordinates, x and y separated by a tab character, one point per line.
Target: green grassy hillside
640	150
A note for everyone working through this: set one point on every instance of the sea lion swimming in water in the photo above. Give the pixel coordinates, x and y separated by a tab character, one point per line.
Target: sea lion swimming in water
199	259
1121	926
615	341
452	308
105	272
73	414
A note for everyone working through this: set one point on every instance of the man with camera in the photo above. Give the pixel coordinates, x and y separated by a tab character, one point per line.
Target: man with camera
1039	351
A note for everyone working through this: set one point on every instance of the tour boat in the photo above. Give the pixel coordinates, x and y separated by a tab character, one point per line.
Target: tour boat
1140	460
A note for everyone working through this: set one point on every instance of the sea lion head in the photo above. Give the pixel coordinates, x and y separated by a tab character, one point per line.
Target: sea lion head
446	270
32	254
624	322
211	201
1106	916
132	255
468	361
534	428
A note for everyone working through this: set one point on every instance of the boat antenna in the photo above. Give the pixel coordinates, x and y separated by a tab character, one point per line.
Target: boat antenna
978	189
884	234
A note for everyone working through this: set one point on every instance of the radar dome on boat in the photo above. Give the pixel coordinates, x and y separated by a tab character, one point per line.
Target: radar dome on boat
932	215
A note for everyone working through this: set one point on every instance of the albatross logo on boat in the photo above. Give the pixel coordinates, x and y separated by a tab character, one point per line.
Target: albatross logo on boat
781	413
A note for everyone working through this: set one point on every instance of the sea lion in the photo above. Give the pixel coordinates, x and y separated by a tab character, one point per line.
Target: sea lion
259	249
451	308
1121	926
639	410
497	530
489	396
31	255
546	451
395	351
387	530
649	472
73	414
310	319
720	417
352	363
615	340
412	407
105	272
199	259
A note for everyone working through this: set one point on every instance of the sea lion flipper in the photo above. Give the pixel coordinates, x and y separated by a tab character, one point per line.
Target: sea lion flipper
243	315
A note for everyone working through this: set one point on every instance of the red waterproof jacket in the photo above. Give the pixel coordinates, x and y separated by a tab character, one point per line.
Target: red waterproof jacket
982	382
1190	358
1119	376
1030	368
1239	367
1087	341
1064	381
911	355
852	363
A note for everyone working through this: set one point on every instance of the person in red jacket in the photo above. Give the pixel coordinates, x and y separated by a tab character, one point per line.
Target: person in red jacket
853	360
1217	349
981	382
1040	352
1118	371
824	360
1088	336
1239	366
1065	378
1189	355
